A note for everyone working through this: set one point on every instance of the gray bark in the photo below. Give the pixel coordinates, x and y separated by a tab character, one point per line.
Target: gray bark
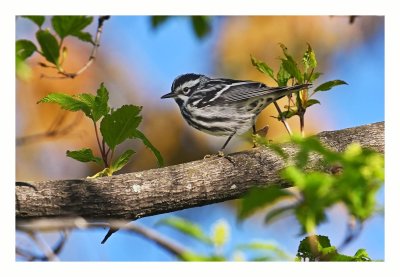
139	194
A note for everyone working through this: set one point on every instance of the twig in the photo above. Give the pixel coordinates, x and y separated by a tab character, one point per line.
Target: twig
283	119
353	230
29	256
101	146
49	225
52	132
47	251
91	57
96	45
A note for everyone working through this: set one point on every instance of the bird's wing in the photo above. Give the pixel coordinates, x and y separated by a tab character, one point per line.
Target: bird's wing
230	91
220	90
248	91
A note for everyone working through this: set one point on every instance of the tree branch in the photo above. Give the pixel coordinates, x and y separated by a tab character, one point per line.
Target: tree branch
156	191
55	130
91	59
53	225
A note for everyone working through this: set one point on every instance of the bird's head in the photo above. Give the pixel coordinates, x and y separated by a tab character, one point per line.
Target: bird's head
183	86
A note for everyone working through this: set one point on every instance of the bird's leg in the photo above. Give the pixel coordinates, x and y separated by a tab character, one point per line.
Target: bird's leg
221	152
226	142
254	134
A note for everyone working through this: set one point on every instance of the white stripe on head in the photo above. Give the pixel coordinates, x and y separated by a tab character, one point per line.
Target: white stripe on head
189	84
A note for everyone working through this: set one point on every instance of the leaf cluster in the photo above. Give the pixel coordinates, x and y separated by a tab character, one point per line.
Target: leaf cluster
116	126
217	241
319	248
51	43
290	72
358	174
201	25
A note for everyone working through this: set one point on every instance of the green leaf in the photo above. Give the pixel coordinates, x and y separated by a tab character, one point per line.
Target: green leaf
120	125
84	36
330	84
186	227
67	102
309	59
362	255
49	46
100	106
139	135
293	174
314	76
321	250
259	198
105	172
278	213
71	25
278	150
311	102
24	48
287	114
284	49
264	247
23	71
122	160
83	155
87	98
311	247
194	257
38	20
220	233
290	65
282	77
158	20
201	25
262	67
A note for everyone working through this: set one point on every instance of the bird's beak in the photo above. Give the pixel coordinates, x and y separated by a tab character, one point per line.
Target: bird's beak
168	95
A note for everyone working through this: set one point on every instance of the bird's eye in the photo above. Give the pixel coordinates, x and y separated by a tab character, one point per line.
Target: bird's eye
185	90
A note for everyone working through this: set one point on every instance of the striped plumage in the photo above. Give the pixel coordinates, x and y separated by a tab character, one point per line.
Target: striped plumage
223	107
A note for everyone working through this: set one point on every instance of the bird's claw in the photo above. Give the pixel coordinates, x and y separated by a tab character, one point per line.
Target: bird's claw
261	133
220	154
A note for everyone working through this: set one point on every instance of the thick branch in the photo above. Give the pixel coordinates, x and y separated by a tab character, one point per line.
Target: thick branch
134	195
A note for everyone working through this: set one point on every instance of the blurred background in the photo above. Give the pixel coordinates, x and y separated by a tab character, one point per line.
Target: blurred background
138	64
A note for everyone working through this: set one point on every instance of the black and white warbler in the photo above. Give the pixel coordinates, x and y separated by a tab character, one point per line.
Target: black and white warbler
223	107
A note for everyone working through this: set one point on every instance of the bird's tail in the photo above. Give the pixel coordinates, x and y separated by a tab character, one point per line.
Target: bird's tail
279	92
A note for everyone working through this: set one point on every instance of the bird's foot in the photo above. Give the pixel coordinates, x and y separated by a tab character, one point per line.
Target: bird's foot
260	136
218	155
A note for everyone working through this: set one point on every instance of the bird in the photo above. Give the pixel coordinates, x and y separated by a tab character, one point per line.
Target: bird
221	106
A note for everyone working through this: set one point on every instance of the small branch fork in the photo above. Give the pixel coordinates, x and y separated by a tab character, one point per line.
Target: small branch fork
53	131
283	119
50	253
92	57
54	225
